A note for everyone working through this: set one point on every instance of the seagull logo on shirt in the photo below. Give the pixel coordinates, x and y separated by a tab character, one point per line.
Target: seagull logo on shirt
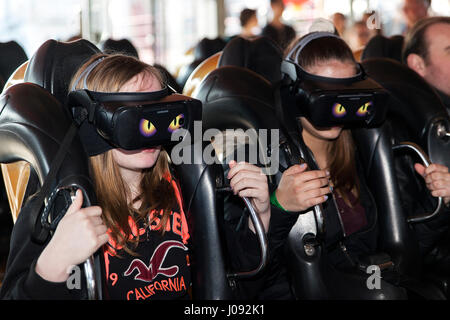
150	272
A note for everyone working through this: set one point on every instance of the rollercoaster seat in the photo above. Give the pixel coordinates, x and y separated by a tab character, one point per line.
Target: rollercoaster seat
417	115
204	49
48	76
12	56
221	93
29	136
383	47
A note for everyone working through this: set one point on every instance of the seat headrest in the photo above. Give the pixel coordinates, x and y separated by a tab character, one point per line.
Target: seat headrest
242	98
207	47
123	46
412	98
260	54
12	56
30	136
54	64
383	47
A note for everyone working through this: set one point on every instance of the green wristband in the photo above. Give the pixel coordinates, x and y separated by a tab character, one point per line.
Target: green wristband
274	201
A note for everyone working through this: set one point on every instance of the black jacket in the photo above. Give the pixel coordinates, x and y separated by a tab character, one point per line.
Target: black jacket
282	37
21	280
445	99
360	243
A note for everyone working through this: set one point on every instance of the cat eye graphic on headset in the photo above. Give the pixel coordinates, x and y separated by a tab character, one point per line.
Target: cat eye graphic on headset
148	129
339	111
151	121
354	101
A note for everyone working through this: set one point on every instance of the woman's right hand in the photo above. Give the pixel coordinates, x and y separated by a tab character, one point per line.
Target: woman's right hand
78	235
299	189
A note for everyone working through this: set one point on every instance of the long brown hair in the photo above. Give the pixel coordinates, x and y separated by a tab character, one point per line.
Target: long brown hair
341	151
114	196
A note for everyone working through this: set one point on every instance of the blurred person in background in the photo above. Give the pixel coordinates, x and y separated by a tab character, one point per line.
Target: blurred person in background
358	37
249	23
340	23
276	30
415	10
427	51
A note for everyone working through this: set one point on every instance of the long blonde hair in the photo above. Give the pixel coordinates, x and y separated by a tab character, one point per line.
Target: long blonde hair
113	194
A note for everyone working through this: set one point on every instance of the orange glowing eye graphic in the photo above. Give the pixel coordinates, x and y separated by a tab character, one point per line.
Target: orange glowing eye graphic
339	110
364	109
147	128
176	123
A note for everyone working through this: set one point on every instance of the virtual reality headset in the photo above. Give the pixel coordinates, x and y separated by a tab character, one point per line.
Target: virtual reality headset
328	102
137	120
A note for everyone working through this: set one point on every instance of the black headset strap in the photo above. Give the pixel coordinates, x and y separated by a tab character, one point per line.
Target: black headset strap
297	73
129	96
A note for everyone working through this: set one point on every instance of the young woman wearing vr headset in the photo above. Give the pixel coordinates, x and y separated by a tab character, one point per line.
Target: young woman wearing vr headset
324	56
139	222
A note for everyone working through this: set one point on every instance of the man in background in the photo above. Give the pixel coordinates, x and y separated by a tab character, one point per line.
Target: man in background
281	33
249	23
427	51
415	10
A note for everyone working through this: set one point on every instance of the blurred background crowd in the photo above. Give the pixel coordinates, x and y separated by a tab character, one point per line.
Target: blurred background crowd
166	31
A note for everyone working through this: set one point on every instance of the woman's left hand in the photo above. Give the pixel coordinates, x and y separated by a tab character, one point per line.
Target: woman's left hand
437	179
247	180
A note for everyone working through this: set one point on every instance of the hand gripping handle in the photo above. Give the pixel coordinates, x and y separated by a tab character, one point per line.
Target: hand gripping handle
426	161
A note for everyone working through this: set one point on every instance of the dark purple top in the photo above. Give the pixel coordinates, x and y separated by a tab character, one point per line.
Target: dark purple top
353	218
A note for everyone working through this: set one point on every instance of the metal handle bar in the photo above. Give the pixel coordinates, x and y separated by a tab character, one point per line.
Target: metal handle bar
89	267
262	239
426	161
90	278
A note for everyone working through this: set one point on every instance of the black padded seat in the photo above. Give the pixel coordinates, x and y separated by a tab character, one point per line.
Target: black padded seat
12	55
54	64
383	47
122	46
224	92
204	49
260	54
416	114
415	110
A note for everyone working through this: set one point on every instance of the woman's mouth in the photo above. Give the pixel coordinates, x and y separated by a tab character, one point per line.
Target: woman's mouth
150	150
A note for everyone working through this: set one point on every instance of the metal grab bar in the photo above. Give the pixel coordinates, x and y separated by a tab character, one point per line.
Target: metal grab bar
88	265
262	239
90	278
426	161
